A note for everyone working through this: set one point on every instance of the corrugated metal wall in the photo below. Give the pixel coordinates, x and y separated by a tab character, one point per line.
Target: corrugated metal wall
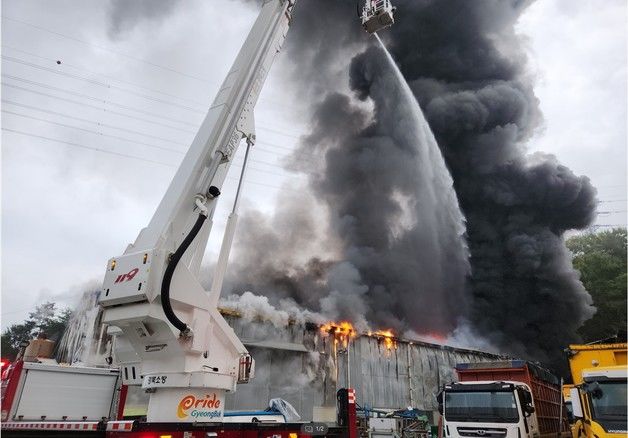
409	374
304	366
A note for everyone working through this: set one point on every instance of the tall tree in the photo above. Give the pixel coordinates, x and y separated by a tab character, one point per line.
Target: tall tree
44	319
601	259
13	336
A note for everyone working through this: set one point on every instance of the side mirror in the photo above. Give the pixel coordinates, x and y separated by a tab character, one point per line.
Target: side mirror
524	396
526	401
529	409
576	406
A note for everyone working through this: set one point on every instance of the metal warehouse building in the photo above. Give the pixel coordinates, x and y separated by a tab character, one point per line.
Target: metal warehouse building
305	365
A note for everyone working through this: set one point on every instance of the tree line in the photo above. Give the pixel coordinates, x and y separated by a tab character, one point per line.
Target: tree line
601	259
46	319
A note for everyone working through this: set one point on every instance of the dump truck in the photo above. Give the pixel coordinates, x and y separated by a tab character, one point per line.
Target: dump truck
598	397
504	399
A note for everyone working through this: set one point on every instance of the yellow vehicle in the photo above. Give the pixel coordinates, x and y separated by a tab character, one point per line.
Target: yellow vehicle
599	394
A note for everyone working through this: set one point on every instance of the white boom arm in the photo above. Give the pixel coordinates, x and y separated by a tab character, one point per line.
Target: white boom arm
189	355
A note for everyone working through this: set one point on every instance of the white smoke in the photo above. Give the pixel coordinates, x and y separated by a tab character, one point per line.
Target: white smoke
253	307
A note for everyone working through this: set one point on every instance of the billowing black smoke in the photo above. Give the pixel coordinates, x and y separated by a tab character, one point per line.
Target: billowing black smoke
402	260
467	69
357	243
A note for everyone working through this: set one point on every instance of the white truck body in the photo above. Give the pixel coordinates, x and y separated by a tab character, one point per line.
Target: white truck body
54	393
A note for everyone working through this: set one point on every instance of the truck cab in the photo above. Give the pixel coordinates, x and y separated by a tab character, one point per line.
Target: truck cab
488	409
599	404
598	396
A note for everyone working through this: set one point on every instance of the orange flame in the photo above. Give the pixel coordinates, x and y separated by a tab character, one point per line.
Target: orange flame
387	336
342	331
343	328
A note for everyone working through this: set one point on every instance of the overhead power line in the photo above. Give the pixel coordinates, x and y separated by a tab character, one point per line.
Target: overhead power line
82	146
65	64
106	49
115	104
598	226
303	154
134	157
129	140
281	133
124	81
99	108
255	160
612	200
85	96
201	110
101	84
120	128
611	212
93	132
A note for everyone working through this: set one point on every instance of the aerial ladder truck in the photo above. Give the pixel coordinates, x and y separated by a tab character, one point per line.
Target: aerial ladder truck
171	338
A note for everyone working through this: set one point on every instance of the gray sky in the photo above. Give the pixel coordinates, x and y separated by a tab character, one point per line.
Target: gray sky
139	93
578	52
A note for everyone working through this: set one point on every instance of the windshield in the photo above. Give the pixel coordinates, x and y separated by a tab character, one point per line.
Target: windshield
609	405
494	406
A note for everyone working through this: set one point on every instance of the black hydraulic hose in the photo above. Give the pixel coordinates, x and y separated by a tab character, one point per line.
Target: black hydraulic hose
172	265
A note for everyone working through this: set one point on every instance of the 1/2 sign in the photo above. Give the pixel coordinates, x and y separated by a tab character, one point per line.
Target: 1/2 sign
314	429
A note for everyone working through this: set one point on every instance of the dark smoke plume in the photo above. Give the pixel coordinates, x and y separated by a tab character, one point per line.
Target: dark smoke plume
390	202
467	68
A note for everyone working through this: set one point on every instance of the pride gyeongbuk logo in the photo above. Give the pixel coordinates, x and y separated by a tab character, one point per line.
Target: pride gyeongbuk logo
209	406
